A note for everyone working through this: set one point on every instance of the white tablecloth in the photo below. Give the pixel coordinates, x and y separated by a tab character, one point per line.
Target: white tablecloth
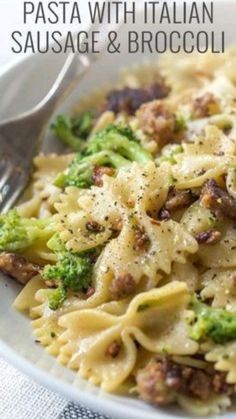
21	398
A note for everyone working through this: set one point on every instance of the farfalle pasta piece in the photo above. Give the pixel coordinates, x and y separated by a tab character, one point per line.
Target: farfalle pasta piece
44	322
71	221
213	141
149	320
219	285
46	327
185	272
135	188
222	254
43	194
192	170
168	242
197	218
215	405
209	156
127	198
26	301
224	358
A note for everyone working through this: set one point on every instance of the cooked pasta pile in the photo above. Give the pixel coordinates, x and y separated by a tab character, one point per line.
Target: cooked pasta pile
127	243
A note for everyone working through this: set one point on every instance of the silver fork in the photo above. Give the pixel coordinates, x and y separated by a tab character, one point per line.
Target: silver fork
20	137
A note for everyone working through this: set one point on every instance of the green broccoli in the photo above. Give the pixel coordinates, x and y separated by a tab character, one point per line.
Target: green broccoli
170	154
214	323
57	298
80	172
120	140
82	125
73	131
114	147
55	243
18	233
72	272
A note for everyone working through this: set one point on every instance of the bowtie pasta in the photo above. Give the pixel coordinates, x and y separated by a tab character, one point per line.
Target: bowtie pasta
126	244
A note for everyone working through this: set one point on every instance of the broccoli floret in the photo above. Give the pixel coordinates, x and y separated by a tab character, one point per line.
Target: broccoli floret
57	298
114	147
72	273
72	270
82	126
55	244
18	233
79	174
80	171
120	140
214	323
170	154
73	131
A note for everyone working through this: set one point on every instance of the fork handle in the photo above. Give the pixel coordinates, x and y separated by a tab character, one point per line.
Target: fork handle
72	71
74	68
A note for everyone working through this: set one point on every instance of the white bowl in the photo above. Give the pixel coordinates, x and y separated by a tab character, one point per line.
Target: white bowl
21	87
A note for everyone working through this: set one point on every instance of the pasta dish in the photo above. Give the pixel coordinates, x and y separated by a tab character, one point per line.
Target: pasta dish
126	243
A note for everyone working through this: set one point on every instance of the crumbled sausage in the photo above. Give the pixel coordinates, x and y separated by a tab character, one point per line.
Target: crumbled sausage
113	349
219	385
90	292
205	105
98	173
94	227
164	214
208	237
152	386
218	200
176	199
129	100
141	239
18	267
160	382
116	227
199	384
157	121
122	286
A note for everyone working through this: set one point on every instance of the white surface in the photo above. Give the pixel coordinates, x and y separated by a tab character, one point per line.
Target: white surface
22	398
19	90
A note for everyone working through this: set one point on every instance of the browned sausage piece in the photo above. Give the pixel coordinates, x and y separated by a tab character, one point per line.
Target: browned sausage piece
157	122
90	292
113	349
160	381
98	173
218	200
205	105
122	286
18	267
141	239
94	227
129	100
152	386
178	199
164	214
208	237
